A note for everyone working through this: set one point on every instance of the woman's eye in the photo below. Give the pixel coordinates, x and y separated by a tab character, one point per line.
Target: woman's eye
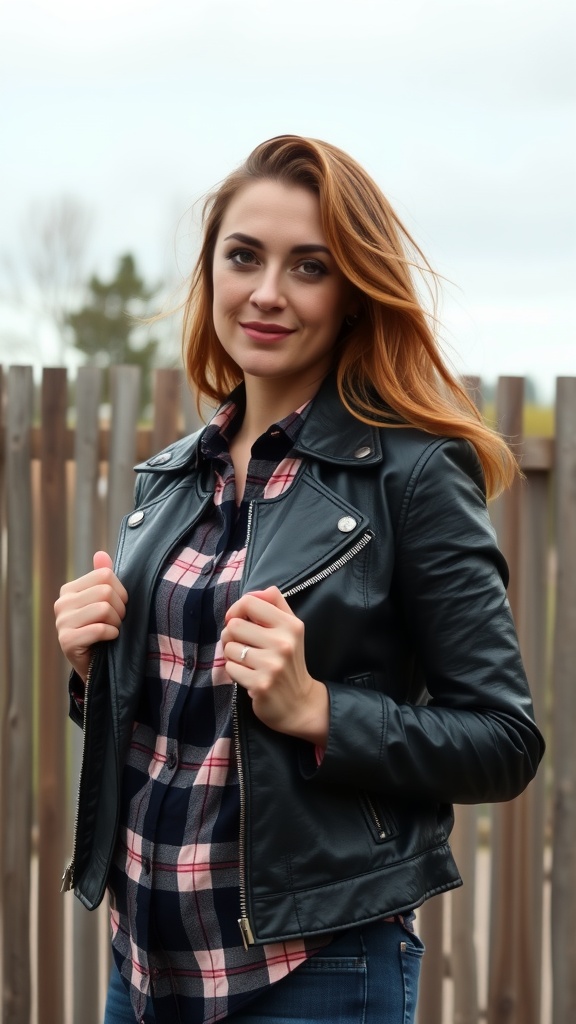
312	268
241	257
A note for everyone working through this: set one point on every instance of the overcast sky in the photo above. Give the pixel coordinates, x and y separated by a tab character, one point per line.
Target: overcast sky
463	111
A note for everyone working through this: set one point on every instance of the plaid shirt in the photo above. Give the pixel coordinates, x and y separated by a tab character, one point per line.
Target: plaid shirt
175	879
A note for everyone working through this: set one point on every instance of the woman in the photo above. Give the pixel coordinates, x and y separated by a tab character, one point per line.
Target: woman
304	654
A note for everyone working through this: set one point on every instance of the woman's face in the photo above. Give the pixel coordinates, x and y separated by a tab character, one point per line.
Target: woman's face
279	297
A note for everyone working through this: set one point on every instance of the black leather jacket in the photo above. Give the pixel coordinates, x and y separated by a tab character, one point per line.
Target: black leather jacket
384	548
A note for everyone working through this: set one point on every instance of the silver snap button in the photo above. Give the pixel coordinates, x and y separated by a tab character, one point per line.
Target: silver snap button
136	518
346	524
159	460
362	453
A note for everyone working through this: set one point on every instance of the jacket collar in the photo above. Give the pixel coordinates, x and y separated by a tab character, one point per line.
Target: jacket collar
333	434
330	433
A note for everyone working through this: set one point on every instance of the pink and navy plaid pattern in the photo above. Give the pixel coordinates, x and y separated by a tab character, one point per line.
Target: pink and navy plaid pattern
175	879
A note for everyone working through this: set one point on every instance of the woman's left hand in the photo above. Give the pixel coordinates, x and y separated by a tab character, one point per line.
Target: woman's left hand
263	643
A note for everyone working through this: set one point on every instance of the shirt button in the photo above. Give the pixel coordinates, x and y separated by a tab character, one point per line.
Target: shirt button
171	760
190	662
146	866
207	568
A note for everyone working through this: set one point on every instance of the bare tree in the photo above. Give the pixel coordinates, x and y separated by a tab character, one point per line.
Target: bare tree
55	246
48	278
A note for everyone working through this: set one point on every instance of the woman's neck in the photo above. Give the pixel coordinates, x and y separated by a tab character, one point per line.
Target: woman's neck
269	401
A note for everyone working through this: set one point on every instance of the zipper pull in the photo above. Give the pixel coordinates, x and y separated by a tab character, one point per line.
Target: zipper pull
246	932
68	878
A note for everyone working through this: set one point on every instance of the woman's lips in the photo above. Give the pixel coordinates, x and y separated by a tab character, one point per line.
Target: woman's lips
265	332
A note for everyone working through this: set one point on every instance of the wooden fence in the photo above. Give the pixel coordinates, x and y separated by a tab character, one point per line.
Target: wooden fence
63	488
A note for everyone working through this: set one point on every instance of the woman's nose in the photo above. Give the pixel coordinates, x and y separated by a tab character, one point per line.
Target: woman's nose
268	292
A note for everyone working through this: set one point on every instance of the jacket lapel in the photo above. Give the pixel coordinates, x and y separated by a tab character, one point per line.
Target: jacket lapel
294	536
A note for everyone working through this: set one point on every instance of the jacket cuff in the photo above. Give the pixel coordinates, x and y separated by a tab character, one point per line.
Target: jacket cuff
355	739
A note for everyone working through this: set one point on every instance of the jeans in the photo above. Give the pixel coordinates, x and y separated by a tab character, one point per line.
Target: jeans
366	976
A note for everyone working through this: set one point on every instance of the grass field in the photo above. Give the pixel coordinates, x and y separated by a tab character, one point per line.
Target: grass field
538	419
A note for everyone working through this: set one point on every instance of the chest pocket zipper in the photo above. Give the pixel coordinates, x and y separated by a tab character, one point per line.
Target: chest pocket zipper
339	563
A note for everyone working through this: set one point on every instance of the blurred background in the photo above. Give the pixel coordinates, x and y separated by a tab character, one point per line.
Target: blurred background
120	114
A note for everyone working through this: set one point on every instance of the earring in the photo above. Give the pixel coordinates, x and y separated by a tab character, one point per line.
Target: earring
351	319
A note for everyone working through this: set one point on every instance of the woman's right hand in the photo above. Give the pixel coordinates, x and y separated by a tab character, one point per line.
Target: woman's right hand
88	610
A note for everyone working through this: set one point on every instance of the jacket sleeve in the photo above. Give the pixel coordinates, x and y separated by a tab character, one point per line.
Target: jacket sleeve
476	739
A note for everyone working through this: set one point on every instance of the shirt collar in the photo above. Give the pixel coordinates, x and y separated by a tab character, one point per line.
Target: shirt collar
226	421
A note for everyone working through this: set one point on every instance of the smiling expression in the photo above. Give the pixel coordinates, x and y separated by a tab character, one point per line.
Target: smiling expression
279	297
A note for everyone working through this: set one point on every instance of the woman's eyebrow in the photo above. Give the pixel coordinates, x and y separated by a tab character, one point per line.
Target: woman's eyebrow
257	244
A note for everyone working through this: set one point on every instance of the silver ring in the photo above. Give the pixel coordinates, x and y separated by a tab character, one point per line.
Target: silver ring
244	652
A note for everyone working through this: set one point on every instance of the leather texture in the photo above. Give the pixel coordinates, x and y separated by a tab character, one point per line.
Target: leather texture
429	703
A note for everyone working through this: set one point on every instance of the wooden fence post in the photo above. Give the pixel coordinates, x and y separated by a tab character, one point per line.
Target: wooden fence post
3	630
85	926
52	699
502	981
564	715
532	632
192	418
464	843
167	407
125	392
430	928
16	763
514	949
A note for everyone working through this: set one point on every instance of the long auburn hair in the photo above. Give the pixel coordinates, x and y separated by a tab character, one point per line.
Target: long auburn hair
389	367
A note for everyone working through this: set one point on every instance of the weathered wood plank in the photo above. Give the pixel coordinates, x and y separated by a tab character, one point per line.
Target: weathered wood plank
52	700
143	443
430	929
192	418
532	632
3	636
463	957
564	717
464	840
86	996
16	763
87	455
506	992
125	391
537	454
167	426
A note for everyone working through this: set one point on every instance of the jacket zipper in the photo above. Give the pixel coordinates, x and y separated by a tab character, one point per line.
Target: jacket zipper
376	819
68	876
243	920
338	564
